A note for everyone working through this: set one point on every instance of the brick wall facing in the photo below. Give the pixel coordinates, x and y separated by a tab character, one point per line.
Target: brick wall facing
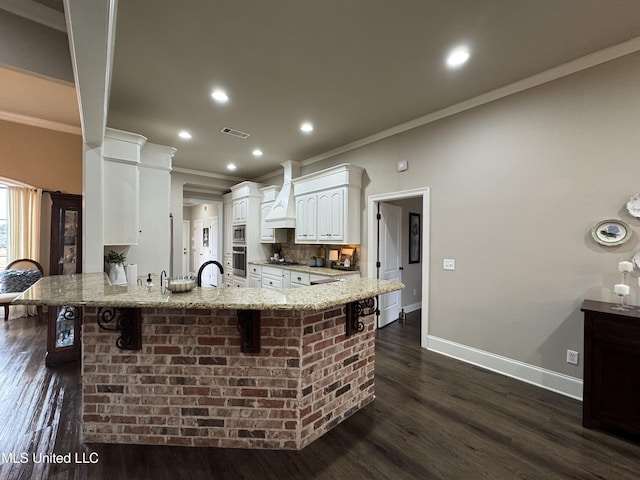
190	385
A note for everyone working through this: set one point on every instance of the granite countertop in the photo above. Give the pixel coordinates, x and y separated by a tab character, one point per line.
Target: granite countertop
326	271
94	290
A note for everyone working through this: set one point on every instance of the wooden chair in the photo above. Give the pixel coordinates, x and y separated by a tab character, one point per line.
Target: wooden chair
7	298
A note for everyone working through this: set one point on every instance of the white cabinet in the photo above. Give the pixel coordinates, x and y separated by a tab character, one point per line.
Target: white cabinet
328	205
306	218
255	276
331	215
240	209
274	277
299	279
121	185
255	281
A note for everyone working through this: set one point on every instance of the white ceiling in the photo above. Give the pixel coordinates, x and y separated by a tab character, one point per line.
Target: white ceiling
352	67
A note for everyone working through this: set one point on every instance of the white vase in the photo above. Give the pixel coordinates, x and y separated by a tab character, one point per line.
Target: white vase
116	274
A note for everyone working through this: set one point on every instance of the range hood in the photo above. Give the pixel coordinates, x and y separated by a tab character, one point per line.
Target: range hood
283	211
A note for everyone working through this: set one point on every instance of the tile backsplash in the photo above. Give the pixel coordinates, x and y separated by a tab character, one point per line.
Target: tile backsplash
301	253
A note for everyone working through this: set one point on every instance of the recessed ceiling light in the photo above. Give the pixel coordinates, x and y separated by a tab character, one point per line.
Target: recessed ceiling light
184	134
220	96
457	57
257	152
231	167
306	127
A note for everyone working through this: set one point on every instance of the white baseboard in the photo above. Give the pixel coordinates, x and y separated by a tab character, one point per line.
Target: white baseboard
548	379
413	307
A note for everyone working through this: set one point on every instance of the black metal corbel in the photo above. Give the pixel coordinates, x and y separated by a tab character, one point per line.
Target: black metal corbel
128	321
355	310
249	328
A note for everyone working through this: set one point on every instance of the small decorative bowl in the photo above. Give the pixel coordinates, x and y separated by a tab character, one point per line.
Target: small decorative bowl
180	285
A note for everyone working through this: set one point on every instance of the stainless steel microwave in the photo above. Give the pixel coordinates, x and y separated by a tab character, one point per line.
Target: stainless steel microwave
239	234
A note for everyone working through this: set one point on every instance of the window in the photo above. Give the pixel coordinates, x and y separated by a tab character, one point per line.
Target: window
4	225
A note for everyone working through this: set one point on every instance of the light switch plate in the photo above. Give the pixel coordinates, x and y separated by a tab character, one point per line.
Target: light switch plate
449	264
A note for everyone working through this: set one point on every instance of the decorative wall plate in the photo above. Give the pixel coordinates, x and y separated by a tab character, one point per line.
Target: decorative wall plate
633	205
611	232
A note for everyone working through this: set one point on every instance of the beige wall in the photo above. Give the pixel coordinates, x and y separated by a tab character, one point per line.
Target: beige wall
47	159
516	186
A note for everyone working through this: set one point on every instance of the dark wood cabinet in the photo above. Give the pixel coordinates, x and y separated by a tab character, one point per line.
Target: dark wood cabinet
63	337
611	389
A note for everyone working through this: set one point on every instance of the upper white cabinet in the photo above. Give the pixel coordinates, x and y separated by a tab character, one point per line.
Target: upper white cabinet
331	214
240	211
121	187
307	218
328	205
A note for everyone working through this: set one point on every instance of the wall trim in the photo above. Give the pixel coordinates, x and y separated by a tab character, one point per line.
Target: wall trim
412	308
564	70
39	122
540	377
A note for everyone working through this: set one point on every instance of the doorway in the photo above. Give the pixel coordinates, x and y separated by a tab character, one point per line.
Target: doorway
378	243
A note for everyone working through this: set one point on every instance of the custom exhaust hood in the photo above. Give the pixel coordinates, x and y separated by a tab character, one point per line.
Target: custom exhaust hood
283	211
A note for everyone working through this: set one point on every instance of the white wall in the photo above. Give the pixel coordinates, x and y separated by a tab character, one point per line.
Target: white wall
516	186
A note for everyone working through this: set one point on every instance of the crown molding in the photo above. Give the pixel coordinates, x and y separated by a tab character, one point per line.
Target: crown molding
36	12
39	122
566	69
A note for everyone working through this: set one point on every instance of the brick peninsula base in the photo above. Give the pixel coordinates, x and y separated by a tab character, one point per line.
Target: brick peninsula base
190	385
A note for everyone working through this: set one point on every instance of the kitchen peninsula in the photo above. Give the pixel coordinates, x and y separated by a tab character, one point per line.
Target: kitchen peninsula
223	367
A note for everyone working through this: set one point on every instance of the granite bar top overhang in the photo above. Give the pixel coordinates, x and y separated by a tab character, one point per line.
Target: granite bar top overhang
94	290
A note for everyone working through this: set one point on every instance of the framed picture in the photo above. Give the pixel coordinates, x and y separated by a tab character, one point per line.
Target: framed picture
205	237
414	237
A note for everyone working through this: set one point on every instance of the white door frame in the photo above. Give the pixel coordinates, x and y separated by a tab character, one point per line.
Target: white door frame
372	209
186	246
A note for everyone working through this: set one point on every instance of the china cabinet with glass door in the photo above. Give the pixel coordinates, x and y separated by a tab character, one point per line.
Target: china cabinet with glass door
63	339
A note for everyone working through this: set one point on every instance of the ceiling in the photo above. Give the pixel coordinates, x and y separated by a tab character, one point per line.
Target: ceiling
353	68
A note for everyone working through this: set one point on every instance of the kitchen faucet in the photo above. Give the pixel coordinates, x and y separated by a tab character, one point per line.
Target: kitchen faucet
161	283
202	268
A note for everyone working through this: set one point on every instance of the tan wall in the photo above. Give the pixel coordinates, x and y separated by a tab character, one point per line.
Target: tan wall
516	186
47	159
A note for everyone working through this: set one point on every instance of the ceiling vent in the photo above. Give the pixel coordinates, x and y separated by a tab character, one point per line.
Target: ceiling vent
234	132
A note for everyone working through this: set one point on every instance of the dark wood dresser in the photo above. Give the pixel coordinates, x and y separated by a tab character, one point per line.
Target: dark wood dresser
611	387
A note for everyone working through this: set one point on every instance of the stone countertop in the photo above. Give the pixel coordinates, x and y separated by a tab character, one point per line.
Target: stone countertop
94	290
325	271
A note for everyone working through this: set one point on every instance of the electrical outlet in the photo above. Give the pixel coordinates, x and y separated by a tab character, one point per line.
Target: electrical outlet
414	292
572	357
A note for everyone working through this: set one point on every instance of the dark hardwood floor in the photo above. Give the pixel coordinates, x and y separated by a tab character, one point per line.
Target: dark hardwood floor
433	418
